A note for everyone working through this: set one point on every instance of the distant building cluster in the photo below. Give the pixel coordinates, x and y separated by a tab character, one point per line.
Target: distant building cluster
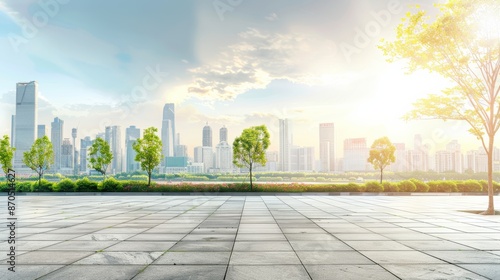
218	158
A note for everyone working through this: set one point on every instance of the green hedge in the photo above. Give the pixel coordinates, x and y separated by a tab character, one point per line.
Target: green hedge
66	185
406	186
85	185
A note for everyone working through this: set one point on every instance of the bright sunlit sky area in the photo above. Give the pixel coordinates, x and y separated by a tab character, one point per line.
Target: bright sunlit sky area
237	63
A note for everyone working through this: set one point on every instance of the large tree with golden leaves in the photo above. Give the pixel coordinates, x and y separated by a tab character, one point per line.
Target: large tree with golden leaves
462	44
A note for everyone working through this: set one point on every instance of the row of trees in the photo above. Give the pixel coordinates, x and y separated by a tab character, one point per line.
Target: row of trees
40	157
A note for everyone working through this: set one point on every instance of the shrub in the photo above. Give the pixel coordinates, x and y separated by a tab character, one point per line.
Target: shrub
420	186
138	186
110	185
390	187
85	185
23	186
407	186
65	185
4	187
374	186
44	186
469	186
442	186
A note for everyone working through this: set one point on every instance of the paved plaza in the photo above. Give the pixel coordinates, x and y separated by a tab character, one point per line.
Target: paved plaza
251	237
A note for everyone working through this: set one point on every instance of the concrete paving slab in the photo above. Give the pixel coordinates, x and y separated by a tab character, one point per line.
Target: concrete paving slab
491	271
182	272
26	271
332	257
94	272
266	272
120	258
434	272
349	272
184	258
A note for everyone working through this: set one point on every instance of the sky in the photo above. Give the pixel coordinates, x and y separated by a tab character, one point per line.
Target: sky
237	63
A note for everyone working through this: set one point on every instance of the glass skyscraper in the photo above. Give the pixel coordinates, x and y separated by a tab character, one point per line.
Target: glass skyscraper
168	130
25	121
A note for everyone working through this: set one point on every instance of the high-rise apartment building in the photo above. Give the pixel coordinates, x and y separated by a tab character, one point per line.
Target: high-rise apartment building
25	121
302	159
207	136
85	144
113	137
56	137
168	130
285	144
224	157
66	157
355	154
132	133
327	147
223	134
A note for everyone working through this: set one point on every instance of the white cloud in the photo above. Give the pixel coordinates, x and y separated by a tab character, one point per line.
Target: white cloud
272	17
258	59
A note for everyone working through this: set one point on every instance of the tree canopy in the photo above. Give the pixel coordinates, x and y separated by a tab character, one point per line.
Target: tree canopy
250	148
462	44
382	154
40	157
100	156
149	151
6	154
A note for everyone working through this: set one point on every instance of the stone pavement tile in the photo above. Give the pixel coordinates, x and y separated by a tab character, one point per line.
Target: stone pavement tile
105	236
214	231
51	257
349	272
481	244
460	236
261	246
434	230
320	245
26	271
377	245
304	230
123	258
157	237
494	252
263	258
26	245
183	258
209	237
309	236
95	272
140	246
392	230
51	237
33	230
361	236
400	257
437	271
200	246
79	246
182	272
491	271
113	230
411	236
470	257
332	257
266	272
435	245
164	230
350	229
261	237
259	230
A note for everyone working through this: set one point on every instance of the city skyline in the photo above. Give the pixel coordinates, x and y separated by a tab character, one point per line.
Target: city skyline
252	72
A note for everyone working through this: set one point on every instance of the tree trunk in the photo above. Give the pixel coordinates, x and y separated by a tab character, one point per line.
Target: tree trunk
251	183
491	207
381	172
149	179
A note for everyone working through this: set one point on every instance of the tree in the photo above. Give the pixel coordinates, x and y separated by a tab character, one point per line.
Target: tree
462	44
6	154
148	150
250	148
382	154
100	156
40	157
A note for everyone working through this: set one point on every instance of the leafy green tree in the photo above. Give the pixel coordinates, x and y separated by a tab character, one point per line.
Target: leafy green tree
100	156
382	154
148	150
40	157
6	154
461	44
250	148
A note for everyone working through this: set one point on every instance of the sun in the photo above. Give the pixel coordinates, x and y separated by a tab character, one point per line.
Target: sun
487	22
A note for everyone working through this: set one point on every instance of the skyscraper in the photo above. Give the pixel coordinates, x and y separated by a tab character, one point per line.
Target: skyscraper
25	120
355	154
327	147
113	137
131	135
168	130
41	131
224	157
223	134
56	137
75	153
207	136
66	157
286	143
85	144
